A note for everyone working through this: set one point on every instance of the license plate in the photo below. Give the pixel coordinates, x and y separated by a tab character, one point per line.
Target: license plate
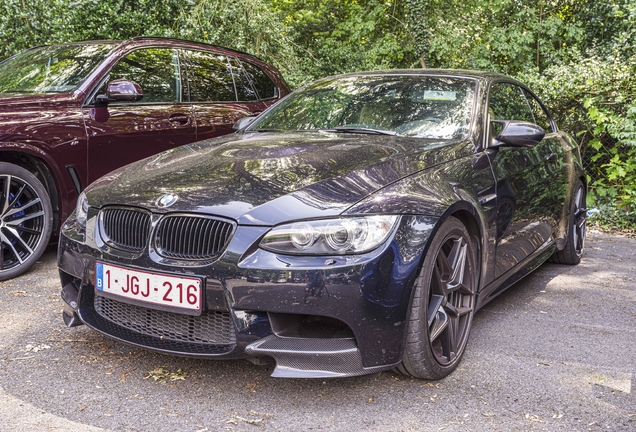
165	291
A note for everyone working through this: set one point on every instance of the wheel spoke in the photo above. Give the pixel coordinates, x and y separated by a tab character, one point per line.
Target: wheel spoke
580	217
458	257
19	239
27	230
6	241
455	255
580	238
437	286
449	341
444	269
440	323
15	222
451	309
434	306
18	195
24	207
461	311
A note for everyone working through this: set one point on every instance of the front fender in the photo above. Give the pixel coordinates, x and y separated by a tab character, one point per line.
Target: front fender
464	187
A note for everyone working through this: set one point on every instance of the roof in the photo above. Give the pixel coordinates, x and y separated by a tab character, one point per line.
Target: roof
153	39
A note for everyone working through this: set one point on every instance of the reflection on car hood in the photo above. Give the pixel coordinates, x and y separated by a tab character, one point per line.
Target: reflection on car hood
267	178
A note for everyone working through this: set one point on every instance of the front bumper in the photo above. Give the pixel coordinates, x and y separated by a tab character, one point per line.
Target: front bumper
352	325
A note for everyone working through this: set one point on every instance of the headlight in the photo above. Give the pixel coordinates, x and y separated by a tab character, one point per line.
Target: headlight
81	210
330	236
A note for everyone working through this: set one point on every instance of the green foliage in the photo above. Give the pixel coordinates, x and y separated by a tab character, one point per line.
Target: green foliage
593	98
611	218
345	36
498	35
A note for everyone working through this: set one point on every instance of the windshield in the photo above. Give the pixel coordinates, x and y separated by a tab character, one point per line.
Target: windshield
50	69
410	105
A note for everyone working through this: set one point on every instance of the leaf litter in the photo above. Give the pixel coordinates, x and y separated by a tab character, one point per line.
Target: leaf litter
162	375
257	420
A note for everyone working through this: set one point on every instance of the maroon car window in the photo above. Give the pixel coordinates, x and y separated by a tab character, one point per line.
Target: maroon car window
260	80
50	69
244	90
210	77
156	70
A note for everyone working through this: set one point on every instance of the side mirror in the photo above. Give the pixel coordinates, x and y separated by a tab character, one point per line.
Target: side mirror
121	91
516	133
243	123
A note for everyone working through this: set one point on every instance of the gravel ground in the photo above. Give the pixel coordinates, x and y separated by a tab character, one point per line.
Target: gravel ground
557	351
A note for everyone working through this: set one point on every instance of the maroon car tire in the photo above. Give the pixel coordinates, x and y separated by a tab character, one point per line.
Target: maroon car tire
26	220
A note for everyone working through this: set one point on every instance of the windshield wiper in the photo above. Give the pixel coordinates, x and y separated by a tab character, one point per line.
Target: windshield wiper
280	130
361	130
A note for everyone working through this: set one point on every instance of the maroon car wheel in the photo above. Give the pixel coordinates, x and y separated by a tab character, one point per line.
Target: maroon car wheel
25	220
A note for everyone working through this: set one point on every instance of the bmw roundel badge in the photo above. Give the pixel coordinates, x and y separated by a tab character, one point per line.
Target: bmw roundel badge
166	200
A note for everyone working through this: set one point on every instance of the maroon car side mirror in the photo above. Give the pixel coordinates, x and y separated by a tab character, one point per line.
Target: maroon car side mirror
122	91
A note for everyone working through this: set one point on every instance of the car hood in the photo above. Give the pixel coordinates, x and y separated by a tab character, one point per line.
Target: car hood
268	178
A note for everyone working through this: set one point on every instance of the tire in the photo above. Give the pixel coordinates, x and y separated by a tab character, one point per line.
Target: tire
444	297
26	220
575	240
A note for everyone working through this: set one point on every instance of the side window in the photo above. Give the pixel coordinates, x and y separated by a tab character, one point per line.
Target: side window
507	102
262	82
540	115
210	77
156	70
244	90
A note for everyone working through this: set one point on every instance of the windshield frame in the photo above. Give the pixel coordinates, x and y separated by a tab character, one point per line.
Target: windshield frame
472	111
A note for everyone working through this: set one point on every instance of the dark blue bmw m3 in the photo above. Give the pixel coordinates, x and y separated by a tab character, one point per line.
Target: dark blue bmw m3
355	226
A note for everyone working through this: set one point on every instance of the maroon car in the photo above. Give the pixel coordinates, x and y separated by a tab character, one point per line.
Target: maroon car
71	113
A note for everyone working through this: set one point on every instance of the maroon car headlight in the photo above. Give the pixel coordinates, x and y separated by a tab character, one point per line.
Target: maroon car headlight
349	235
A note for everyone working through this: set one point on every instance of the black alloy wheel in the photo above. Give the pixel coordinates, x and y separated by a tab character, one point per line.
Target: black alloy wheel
443	305
25	220
575	240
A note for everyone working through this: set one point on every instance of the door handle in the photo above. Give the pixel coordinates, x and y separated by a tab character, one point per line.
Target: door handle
180	119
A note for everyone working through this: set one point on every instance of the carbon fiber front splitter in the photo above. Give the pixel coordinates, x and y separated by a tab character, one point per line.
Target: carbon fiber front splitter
312	357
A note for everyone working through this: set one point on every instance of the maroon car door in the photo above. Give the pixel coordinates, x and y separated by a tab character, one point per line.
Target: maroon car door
120	133
219	92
